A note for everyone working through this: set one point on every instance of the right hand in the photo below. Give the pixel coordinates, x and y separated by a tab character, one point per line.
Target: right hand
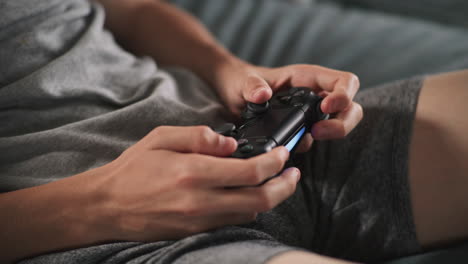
172	184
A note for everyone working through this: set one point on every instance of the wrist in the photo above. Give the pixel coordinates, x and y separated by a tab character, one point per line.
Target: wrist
89	211
219	66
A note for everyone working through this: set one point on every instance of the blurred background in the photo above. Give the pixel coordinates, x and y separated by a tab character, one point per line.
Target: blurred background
379	40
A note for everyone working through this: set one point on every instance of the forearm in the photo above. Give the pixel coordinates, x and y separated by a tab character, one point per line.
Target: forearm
55	216
171	36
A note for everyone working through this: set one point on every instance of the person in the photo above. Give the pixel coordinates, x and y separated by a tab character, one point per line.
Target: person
106	158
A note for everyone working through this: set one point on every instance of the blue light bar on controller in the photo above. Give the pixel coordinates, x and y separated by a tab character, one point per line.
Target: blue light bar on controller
292	143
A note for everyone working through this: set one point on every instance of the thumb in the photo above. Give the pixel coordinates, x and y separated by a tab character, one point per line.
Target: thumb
193	139
256	89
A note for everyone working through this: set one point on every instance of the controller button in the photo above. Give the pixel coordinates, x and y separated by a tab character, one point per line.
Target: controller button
246	149
294	90
299	93
248	115
243	141
261	140
285	99
298	104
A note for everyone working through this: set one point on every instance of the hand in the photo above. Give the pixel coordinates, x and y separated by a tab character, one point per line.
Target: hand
172	184
240	82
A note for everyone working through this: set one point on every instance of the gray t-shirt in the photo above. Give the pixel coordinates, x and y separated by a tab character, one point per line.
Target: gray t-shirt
71	99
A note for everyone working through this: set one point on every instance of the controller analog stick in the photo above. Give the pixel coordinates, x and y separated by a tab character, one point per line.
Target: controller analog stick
254	110
258	108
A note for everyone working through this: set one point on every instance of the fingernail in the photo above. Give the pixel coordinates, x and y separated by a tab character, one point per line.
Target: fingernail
257	92
296	174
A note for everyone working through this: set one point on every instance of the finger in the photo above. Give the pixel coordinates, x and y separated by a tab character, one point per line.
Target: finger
340	126
195	139
341	86
305	144
260	168
261	198
340	98
256	89
232	172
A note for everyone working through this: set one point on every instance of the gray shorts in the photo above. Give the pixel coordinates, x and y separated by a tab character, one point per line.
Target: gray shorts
353	201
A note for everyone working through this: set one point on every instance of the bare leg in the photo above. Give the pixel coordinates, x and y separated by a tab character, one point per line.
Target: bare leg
439	160
301	257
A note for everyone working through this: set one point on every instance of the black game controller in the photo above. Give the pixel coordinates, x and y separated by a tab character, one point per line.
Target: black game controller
282	121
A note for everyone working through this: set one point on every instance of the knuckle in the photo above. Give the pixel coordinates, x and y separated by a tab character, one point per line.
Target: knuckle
205	135
204	131
200	138
360	111
254	81
256	173
343	95
341	131
156	132
264	201
185	177
278	162
155	136
353	79
191	209
252	174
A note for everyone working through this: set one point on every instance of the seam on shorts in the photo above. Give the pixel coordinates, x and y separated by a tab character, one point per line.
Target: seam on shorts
400	160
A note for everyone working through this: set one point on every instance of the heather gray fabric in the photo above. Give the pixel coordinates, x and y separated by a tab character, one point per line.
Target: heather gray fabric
85	103
71	100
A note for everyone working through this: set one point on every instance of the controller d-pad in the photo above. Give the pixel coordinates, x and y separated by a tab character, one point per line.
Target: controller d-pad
294	90
242	142
299	93
246	148
284	99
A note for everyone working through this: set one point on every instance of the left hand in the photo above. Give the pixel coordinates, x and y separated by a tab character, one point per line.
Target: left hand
248	83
